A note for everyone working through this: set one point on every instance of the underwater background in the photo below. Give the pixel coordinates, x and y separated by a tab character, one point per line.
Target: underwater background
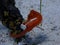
48	34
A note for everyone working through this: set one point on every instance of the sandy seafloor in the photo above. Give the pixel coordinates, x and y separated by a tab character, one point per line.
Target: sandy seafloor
51	24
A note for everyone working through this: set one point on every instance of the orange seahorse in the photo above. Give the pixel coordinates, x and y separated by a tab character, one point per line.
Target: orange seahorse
34	18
